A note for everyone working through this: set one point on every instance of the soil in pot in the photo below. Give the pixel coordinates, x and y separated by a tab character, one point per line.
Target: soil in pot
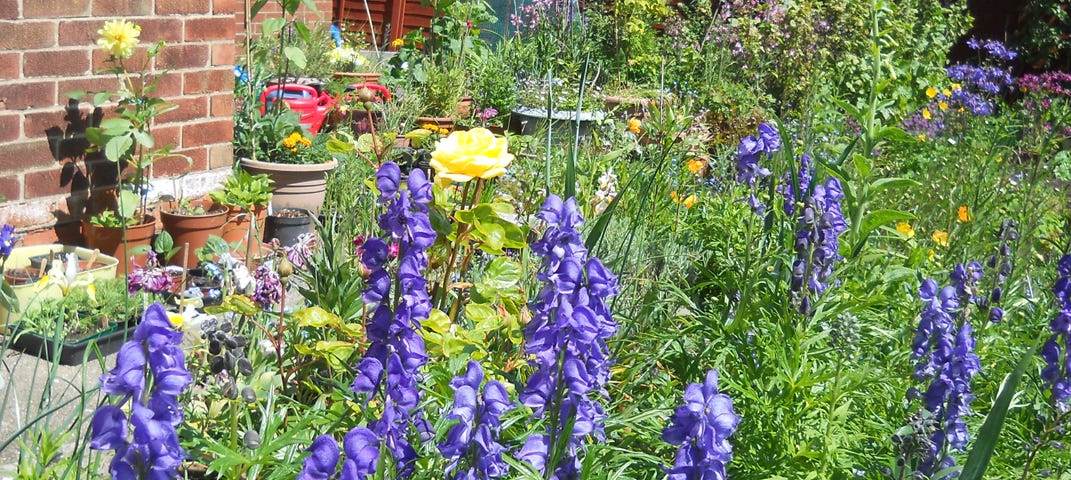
286	225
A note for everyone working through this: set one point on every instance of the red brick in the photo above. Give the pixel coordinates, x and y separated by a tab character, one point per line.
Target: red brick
221	156
187	160
9	9
222	105
27	35
22	156
79	32
10	126
167	135
105	8
226	6
61	180
189	108
205	133
10	188
55	8
37	123
208	81
55	63
209	28
169	85
9	65
185	7
183	56
21	95
223	53
156	29
100	59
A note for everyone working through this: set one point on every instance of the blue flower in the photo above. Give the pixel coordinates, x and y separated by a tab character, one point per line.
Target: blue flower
475	435
322	463
819	224
701	427
1055	351
7	240
568	331
153	451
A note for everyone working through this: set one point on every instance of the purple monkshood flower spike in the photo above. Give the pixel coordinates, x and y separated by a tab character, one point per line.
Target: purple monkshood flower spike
475	436
7	240
322	462
570	324
1057	349
944	348
701	427
145	443
392	363
751	150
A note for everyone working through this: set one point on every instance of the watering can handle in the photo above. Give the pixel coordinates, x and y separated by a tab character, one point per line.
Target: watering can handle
372	86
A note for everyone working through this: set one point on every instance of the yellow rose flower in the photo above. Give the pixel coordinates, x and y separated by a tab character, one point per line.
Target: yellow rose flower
905	229
940	238
119	38
635	126
476	153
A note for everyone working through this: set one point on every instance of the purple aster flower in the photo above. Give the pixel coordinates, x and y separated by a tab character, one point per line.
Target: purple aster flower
701	427
474	437
153	450
568	331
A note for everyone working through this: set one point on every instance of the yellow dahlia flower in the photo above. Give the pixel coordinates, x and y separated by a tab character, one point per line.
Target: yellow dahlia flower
119	38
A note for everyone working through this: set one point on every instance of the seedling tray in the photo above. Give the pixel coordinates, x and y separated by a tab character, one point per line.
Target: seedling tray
70	352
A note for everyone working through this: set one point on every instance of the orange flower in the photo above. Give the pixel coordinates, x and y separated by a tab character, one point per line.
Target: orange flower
635	126
940	238
964	214
695	166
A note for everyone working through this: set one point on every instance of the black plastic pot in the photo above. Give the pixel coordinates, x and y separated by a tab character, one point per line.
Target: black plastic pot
106	342
286	225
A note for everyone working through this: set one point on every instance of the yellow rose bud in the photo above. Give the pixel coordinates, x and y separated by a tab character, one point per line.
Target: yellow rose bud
476	153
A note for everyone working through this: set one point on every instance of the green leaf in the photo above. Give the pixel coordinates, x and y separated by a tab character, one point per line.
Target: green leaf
303	31
128	204
315	317
295	55
75	95
877	218
862	165
502	273
144	138
894	134
95	136
989	434
895	183
116	126
255	9
101	98
271	26
852	111
118	147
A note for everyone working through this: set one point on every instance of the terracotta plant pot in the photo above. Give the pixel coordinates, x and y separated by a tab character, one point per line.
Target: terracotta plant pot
191	232
357	77
21	276
464	107
296	186
441	122
110	241
240	226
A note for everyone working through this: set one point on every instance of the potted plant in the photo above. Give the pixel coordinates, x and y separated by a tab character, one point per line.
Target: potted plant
190	224
246	197
37	260
350	65
126	140
286	225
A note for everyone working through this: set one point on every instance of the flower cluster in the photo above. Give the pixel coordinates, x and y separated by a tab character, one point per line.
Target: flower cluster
606	193
474	436
1002	262
748	154
301	251
226	354
7	240
702	426
267	287
151	278
1052	84
150	372
295	139
819	223
1057	349
567	340
362	452
393	360
944	349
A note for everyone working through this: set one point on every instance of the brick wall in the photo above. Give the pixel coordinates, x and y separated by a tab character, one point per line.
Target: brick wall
47	48
324	13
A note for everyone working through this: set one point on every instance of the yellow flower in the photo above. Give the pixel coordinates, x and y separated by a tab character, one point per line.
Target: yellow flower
947	92
940	238
294	139
690	201
942	105
635	126
926	114
431	127
905	229
476	153
695	166
931	92
922	137
176	319
964	214
956	87
932	254
119	38
397	42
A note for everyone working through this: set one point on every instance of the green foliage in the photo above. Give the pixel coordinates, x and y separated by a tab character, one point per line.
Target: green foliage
243	190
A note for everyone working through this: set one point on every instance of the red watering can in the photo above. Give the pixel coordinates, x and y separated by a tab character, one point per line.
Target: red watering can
310	103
